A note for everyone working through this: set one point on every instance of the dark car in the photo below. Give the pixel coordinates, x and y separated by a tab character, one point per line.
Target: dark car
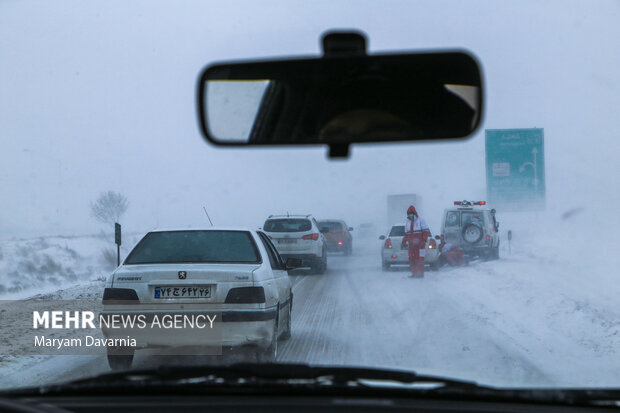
338	237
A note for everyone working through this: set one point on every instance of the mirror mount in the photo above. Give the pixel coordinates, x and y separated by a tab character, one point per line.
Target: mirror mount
338	150
342	44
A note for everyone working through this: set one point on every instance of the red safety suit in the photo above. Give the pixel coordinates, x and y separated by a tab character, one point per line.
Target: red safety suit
416	235
452	254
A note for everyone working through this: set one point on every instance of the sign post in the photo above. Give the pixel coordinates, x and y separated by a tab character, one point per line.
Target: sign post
509	239
117	240
515	168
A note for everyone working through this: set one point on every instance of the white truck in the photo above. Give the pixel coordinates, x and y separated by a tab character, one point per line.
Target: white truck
397	207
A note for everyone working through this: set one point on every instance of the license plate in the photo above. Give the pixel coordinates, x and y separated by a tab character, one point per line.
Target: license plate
287	241
183	292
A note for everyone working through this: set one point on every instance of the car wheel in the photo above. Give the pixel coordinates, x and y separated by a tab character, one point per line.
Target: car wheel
120	359
286	334
320	266
495	253
349	249
269	354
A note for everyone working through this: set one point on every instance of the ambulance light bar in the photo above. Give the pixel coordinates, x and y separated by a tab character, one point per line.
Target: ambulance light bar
469	203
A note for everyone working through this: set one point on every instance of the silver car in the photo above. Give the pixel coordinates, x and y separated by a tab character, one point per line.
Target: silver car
300	237
393	253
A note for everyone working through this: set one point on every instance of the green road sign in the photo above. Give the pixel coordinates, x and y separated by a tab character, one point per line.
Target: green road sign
515	163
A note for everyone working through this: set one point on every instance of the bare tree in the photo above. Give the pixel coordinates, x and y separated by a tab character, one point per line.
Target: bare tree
109	207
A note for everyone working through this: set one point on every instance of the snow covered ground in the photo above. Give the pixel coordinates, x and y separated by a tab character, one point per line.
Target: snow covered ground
46	264
545	315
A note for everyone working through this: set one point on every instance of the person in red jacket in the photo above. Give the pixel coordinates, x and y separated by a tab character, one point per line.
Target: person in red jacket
416	234
451	254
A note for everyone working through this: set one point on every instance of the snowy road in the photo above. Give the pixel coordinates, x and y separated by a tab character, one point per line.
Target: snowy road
513	322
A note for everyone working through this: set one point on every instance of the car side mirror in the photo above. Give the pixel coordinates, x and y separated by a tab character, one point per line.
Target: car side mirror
382	237
292	263
324	230
437	237
350	228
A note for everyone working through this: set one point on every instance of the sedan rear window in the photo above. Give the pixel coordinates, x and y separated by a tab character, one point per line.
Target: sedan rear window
195	247
287	225
332	225
397	231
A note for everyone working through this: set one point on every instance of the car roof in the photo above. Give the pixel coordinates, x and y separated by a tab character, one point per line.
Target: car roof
289	216
214	228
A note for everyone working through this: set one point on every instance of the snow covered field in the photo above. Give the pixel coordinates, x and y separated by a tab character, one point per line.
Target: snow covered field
46	264
540	316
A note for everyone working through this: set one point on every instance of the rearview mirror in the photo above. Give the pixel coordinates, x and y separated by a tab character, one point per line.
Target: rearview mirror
343	97
382	237
437	237
350	229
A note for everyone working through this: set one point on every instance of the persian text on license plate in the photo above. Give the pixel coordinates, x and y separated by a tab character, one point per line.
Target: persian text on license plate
183	292
287	241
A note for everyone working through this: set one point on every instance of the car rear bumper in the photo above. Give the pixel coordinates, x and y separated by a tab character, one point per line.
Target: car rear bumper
476	249
306	259
398	256
333	246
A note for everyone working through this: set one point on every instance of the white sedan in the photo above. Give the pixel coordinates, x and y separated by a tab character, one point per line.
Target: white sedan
181	276
392	253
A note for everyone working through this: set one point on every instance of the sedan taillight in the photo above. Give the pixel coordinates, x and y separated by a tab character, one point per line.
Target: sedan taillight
120	296
432	244
313	237
245	295
388	244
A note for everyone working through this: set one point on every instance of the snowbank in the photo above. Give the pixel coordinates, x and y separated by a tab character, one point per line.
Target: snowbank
45	264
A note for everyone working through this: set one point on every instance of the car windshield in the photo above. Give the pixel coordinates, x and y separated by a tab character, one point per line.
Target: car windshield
195	247
287	225
110	189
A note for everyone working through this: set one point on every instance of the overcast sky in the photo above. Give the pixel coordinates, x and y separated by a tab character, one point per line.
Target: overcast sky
99	95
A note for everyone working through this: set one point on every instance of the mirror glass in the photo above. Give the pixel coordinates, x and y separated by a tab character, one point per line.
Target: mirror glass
232	107
332	100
